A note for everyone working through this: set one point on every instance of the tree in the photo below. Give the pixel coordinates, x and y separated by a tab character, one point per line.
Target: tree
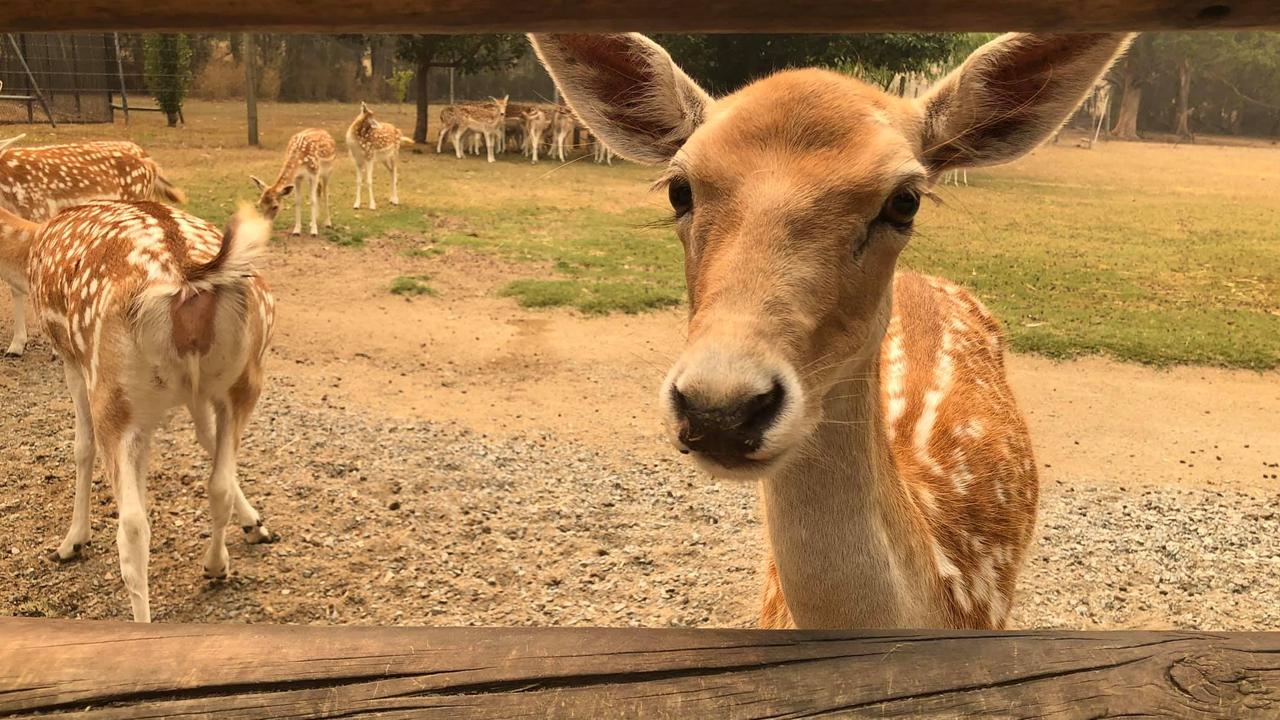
723	63
1139	67
168	71
464	53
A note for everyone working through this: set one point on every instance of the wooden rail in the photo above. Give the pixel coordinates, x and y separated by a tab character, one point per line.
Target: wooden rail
120	670
648	15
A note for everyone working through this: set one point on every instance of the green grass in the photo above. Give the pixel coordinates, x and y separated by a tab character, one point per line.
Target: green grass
1144	252
412	286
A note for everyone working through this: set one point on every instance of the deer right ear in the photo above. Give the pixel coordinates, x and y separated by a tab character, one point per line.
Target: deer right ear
261	185
627	90
286	191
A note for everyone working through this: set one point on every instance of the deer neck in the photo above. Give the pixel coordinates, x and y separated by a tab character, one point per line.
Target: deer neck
850	547
288	173
16	236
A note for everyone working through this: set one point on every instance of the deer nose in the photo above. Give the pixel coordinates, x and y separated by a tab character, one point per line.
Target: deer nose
727	430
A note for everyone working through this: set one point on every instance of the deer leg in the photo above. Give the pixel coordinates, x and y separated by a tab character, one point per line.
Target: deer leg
315	198
328	208
393	166
456	138
368	181
488	144
297	206
125	455
244	396
221	489
19	344
78	536
359	177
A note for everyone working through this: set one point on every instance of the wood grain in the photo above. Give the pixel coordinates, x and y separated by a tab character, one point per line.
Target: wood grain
120	670
649	15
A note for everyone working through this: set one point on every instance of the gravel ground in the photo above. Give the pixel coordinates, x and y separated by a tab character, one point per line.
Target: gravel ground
429	524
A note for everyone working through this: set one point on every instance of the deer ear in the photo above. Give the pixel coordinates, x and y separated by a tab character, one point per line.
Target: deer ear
286	191
627	90
1010	95
261	185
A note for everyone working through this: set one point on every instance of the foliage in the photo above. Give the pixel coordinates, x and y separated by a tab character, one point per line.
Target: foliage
168	71
1235	81
723	63
412	286
399	81
465	53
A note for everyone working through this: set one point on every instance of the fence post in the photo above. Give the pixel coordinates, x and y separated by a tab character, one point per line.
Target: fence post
32	78
124	92
249	53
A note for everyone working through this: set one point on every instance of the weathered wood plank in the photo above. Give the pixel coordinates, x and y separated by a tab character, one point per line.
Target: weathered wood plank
116	670
651	15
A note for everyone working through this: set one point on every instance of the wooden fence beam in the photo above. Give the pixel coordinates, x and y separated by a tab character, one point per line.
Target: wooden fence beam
120	670
651	15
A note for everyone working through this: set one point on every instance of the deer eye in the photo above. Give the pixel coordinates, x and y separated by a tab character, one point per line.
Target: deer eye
900	209
681	196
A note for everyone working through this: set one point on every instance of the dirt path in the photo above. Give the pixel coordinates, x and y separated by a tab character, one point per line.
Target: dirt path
484	363
455	460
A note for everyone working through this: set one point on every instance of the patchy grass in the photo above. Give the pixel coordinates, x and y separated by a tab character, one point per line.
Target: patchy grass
1154	253
412	286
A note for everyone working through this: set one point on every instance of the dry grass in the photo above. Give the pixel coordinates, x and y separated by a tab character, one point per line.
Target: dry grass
1155	253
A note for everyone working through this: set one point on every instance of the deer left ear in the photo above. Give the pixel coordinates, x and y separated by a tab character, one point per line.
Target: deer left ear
1010	95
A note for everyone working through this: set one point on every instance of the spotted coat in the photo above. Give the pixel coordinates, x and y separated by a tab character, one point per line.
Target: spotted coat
961	448
37	182
152	309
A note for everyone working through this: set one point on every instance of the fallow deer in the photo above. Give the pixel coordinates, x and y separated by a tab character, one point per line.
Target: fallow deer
536	121
150	309
308	159
563	123
486	119
896	472
369	141
37	182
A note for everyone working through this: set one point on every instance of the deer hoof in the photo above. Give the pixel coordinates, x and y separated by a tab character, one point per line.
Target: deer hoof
75	554
259	534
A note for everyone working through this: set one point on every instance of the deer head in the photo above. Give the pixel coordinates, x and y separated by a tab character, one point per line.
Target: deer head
272	198
793	198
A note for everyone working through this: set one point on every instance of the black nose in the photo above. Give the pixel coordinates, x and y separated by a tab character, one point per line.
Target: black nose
727	430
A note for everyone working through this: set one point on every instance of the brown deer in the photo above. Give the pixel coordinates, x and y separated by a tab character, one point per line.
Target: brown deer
485	119
370	140
897	478
535	121
150	309
563	123
308	159
37	182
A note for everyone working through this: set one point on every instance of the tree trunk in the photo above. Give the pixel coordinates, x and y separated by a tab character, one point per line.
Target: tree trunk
173	118
1126	127
1183	130
420	78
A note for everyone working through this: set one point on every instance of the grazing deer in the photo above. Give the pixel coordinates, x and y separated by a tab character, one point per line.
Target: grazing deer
308	159
151	309
37	182
369	140
563	123
898	484
485	119
536	121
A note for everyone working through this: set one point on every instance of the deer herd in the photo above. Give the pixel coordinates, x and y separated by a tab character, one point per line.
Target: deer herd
871	404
